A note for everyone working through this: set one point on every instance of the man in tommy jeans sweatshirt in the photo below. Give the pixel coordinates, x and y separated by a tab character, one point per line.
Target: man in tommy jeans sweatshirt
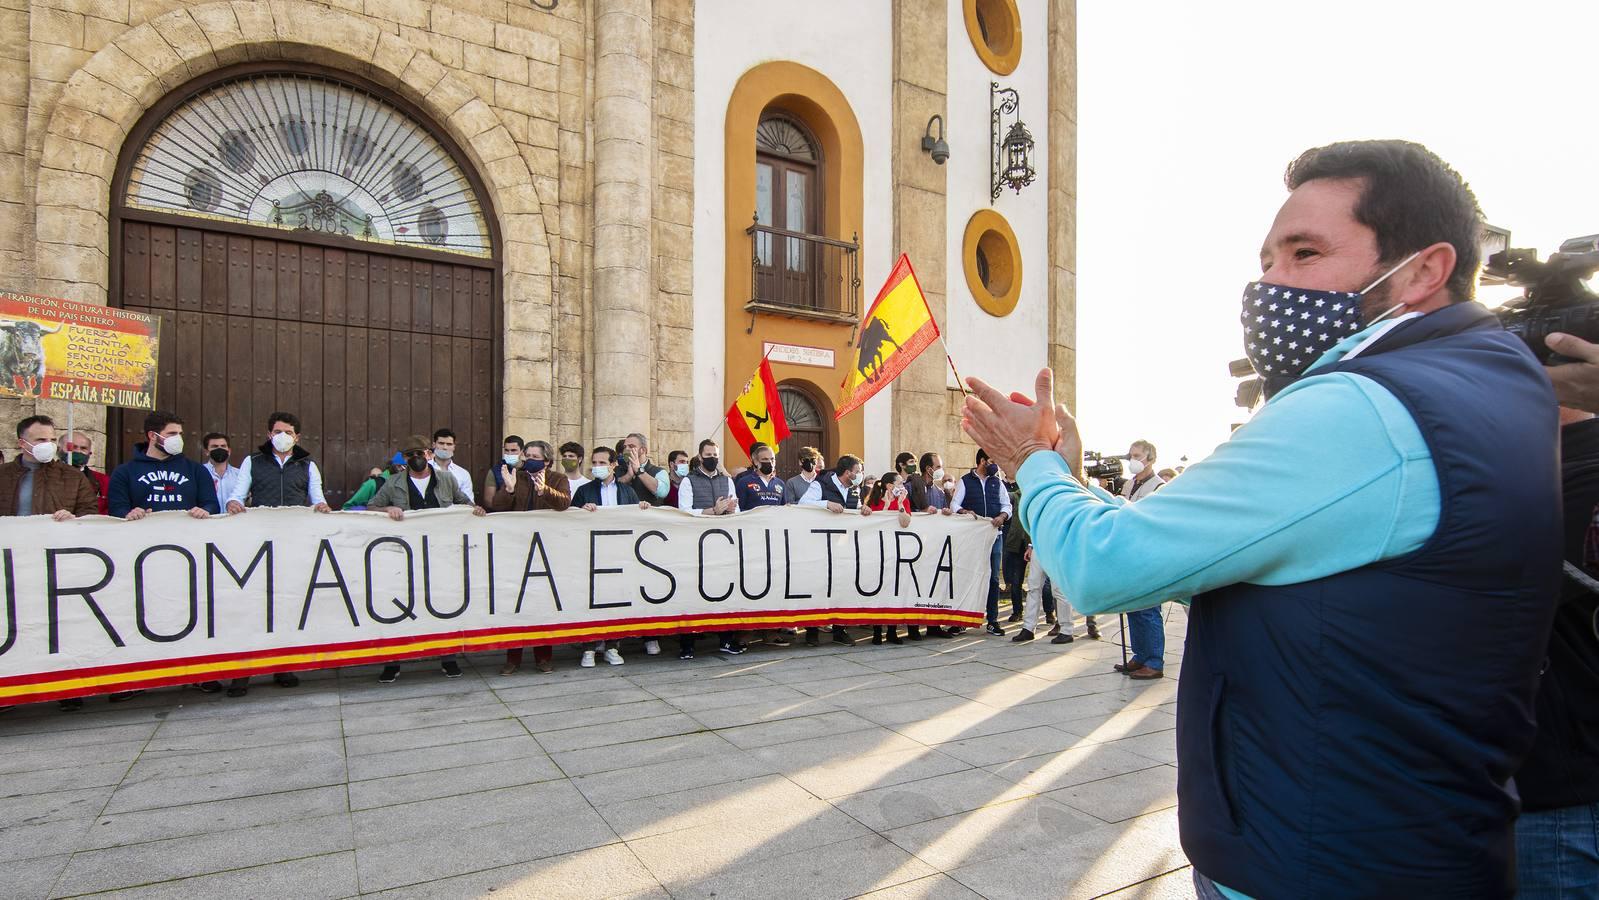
159	477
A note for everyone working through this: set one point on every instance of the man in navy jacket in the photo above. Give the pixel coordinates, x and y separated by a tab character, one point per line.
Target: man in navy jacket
159	477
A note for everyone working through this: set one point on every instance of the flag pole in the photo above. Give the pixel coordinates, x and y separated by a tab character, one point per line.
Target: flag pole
961	382
722	423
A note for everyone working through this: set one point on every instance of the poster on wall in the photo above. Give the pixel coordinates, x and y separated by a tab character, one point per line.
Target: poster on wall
56	349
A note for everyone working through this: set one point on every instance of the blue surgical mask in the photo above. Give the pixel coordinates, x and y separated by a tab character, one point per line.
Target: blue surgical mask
600	473
511	459
1287	329
681	470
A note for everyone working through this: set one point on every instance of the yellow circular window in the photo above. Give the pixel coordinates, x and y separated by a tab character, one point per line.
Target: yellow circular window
995	27
993	262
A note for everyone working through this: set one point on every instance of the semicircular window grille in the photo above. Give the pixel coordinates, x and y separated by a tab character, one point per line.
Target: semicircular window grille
306	153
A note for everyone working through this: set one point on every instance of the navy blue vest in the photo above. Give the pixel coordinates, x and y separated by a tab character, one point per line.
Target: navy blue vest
1355	736
982	495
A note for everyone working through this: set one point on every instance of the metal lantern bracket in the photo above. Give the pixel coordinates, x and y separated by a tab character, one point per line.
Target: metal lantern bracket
1010	151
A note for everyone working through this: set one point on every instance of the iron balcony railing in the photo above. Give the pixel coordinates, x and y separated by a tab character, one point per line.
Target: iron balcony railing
805	275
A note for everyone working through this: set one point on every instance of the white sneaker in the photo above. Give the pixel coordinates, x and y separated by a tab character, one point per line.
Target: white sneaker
587	661
612	657
652	648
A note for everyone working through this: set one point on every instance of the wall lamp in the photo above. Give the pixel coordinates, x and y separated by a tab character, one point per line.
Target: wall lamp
937	147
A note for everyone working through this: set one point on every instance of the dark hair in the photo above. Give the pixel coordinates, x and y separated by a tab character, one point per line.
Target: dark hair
216	435
757	447
1409	197
981	455
671	458
926	462
29	422
608	451
1148	448
845	463
880	488
707	443
158	421
513	439
443	433
902	459
289	419
572	447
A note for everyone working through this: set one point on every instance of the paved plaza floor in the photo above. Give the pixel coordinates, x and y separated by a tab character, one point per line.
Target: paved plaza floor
971	767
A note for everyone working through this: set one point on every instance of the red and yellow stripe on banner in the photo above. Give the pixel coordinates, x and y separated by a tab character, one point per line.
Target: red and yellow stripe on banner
42	686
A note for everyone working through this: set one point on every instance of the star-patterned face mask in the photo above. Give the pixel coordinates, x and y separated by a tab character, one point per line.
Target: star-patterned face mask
1286	329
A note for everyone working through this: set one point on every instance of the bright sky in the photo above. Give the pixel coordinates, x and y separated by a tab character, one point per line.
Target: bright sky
1188	114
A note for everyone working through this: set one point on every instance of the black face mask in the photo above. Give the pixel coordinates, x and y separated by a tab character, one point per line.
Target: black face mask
766	468
219	454
709	463
991	470
416	464
808	465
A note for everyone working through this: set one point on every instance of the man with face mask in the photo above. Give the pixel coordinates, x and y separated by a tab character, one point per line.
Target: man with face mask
77	455
1342	728
224	475
510	458
806	487
529	486
709	490
759	485
280	472
444	460
1146	633
572	454
676	470
981	493
36	483
159	477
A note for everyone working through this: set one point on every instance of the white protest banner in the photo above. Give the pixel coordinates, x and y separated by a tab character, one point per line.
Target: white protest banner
99	604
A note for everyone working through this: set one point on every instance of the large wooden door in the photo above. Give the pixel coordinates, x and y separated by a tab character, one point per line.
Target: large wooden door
366	348
806	428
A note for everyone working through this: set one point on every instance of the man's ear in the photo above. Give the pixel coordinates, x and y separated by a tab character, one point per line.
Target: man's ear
1426	277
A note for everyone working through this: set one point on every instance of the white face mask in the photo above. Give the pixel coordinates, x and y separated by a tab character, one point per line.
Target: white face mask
172	445
1135	467
44	451
282	441
443	453
512	459
938	474
859	477
600	473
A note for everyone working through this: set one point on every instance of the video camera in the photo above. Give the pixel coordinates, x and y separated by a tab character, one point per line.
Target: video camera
1099	465
1554	297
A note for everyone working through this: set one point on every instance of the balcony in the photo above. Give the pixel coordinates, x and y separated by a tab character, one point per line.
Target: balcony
804	276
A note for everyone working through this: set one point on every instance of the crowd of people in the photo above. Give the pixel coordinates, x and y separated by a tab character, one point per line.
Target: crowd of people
530	475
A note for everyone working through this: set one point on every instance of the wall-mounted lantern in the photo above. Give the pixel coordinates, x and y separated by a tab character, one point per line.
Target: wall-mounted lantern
936	147
1012	155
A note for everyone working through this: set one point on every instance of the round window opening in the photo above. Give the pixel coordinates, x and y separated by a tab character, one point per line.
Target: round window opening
995	29
993	263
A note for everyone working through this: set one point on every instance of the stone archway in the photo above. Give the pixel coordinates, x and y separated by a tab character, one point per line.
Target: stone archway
102	102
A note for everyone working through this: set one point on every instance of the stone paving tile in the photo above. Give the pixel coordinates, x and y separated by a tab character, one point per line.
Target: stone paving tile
830	872
1083	865
708	684
624	785
141	864
687	855
54	806
1178	885
879	770
600	873
731	801
576	763
435	736
70	757
1122	797
993	749
47	781
259	725
385	866
114	829
781	731
535	805
757	713
621	693
459	780
327	877
447	756
1122	723
155	793
31	879
542	723
969	722
176	765
764	695
885	808
1031	825
1079	765
618	732
448	716
287	732
1160	746
43	839
933	887
822	749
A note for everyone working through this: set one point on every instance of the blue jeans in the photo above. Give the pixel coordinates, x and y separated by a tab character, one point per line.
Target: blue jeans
1147	635
1557	853
996	561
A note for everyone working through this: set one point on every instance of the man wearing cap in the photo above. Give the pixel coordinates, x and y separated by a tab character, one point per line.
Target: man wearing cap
420	486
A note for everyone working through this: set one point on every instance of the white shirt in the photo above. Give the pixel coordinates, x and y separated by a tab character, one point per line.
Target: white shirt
1135	491
421	485
960	494
577	481
812	495
607	492
462	478
224	483
685	493
241	488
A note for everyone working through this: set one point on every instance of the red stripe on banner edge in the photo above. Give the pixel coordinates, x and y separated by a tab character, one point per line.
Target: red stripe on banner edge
211	667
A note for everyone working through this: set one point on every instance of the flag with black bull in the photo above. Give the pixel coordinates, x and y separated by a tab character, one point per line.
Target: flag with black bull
896	329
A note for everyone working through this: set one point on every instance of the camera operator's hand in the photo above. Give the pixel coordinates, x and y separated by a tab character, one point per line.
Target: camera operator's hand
1576	384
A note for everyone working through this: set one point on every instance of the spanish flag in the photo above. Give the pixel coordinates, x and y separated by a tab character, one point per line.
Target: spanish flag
897	328
757	414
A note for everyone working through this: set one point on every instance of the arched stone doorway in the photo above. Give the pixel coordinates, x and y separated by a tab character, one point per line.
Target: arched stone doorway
810	424
312	243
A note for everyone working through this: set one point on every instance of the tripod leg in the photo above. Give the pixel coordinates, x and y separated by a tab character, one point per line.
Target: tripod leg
1122	618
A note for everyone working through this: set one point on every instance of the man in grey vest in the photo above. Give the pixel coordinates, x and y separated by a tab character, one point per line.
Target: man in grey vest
279	473
708	491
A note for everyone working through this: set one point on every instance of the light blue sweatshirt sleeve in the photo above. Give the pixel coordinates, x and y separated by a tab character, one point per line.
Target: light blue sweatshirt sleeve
1331	475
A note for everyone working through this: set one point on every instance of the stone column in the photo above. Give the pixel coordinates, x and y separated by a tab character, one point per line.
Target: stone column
624	332
921	68
1063	199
